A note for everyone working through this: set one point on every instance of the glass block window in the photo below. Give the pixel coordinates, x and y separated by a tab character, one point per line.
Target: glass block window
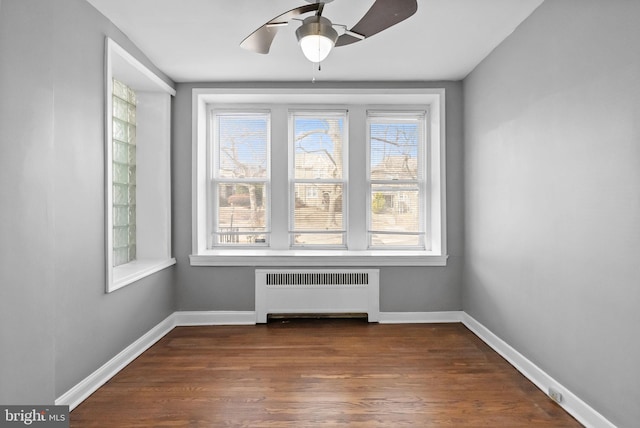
397	144
318	194
124	173
240	178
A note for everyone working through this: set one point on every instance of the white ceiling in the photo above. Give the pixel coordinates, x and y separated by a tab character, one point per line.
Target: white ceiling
198	40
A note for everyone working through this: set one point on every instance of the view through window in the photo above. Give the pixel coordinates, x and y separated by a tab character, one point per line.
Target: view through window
397	145
318	178
240	178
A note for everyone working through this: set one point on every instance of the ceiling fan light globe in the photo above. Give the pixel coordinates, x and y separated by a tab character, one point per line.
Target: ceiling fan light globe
316	37
316	47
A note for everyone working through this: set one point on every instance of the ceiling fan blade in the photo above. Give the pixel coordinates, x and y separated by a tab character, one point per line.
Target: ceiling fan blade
260	40
382	15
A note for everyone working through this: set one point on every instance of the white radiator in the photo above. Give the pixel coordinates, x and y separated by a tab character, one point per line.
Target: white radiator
317	291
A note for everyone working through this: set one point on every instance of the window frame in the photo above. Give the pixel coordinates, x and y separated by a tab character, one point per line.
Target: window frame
280	254
213	181
153	168
421	182
344	180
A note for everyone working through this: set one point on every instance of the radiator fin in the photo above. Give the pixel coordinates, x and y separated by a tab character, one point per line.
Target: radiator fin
317	278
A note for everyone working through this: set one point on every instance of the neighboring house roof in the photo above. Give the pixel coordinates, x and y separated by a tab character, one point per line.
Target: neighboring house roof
314	165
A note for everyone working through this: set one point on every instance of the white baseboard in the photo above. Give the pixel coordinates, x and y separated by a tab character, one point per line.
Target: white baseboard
95	380
420	317
577	408
580	410
193	318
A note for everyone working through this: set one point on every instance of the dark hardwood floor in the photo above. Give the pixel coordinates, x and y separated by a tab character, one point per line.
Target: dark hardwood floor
320	373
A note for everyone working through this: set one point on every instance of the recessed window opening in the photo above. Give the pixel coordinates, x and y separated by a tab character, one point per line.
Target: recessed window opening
137	169
304	177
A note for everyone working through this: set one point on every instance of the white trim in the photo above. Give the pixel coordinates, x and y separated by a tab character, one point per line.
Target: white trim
95	380
354	99
153	205
131	272
193	318
420	317
289	258
571	403
113	48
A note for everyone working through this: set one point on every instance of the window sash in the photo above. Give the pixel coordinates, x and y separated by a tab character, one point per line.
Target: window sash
230	234
382	190
335	235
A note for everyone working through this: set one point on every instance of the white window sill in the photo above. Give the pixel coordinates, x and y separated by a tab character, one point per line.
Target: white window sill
136	270
316	258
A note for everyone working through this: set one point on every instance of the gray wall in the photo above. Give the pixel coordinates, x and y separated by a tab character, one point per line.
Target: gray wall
406	289
56	323
552	205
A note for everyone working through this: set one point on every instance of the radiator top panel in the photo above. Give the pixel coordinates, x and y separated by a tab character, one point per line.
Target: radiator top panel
317	278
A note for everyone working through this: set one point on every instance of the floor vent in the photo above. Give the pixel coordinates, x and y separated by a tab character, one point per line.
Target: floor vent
326	291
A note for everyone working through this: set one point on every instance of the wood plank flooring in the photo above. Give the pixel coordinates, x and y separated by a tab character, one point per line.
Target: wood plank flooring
320	373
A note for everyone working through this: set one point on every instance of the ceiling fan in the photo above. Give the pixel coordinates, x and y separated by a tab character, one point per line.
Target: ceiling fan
317	35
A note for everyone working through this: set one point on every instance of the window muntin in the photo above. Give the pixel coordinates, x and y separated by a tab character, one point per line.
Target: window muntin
318	178
124	173
396	146
240	176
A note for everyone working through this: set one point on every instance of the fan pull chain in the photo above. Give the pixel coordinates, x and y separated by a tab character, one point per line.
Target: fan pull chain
313	78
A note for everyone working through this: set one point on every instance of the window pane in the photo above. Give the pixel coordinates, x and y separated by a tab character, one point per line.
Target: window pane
394	149
319	146
120	130
324	239
120	90
397	142
132	134
124	173
395	209
242	144
320	211
240	156
120	173
120	109
120	237
120	256
120	194
391	240
241	214
120	216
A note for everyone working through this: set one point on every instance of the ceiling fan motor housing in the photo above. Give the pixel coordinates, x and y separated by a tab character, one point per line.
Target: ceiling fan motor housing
317	25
